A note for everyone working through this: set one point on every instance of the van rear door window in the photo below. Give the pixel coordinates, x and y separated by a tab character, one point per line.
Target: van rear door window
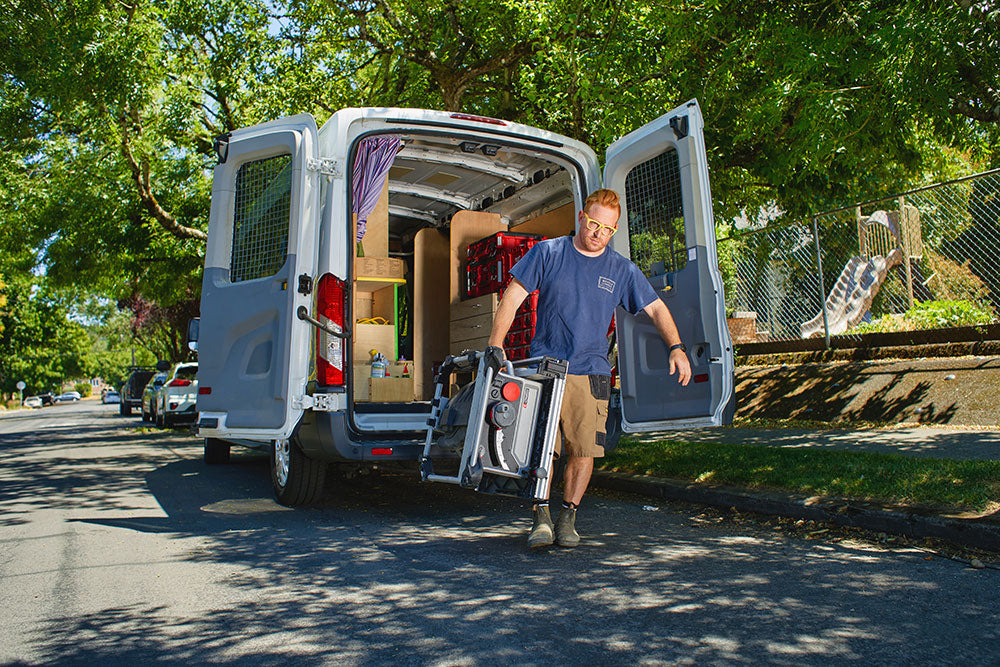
656	213
261	215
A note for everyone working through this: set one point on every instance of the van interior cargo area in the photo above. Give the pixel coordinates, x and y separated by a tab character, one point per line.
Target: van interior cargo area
410	307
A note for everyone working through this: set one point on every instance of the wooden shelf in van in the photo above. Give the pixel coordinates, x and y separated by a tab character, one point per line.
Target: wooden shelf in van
374	283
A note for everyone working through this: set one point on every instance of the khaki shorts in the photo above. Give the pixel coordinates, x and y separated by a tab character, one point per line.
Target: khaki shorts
584	415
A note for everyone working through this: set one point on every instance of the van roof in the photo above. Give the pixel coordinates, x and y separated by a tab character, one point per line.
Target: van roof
453	161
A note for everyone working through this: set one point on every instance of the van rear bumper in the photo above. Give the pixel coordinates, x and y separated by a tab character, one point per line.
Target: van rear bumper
326	436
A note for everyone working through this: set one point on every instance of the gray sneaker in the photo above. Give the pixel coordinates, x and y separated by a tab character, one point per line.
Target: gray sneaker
541	529
566	535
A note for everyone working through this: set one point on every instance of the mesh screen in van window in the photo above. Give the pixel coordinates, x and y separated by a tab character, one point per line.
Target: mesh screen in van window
656	213
260	217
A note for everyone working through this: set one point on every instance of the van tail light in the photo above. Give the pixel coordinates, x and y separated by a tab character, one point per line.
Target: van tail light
330	310
179	382
477	119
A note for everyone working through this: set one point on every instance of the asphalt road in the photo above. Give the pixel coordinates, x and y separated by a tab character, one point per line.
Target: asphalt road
120	546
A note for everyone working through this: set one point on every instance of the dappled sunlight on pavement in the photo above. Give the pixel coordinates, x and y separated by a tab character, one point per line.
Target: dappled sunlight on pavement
140	550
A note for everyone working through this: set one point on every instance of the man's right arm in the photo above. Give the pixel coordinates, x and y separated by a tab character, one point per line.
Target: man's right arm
513	297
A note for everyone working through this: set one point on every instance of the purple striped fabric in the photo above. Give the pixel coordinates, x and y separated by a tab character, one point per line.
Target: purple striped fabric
371	168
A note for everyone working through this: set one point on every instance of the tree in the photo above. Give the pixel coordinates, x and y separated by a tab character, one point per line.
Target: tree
108	109
40	344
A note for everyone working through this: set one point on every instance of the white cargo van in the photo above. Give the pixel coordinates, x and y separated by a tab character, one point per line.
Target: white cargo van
293	305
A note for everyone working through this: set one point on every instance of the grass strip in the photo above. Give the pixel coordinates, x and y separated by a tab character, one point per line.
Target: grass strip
887	478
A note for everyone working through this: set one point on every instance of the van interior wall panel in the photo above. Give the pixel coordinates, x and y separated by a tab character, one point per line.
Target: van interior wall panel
468	227
381	337
431	273
376	239
559	222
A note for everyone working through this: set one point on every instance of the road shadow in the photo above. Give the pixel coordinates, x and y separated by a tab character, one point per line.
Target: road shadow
390	571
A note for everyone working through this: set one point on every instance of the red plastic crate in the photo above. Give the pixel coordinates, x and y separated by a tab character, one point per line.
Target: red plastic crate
500	243
490	260
518	353
525	321
518	338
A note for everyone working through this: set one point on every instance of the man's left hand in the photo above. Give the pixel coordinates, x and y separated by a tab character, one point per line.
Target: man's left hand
680	364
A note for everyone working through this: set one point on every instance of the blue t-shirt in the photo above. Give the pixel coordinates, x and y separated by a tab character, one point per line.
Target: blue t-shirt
577	297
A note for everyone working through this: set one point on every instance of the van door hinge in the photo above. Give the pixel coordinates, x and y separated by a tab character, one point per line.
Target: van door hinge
317	402
305	284
324	165
680	126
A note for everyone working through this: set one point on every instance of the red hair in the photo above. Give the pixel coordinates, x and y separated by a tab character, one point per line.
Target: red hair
604	197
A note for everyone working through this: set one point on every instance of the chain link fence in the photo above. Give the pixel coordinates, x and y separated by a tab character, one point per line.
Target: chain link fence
925	259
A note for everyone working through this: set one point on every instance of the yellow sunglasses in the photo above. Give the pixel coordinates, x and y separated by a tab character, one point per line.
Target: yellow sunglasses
597	225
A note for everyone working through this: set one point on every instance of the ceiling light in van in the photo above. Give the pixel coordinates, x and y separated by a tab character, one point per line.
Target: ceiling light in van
489	149
468	146
478	119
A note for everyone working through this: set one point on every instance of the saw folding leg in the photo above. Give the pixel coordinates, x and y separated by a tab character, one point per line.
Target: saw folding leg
504	424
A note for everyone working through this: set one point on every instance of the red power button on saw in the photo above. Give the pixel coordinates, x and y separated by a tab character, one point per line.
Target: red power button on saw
511	391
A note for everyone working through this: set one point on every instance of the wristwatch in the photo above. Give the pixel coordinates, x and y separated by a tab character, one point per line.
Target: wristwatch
678	346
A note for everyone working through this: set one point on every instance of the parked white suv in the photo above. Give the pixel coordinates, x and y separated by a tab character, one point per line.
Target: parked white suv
175	400
290	309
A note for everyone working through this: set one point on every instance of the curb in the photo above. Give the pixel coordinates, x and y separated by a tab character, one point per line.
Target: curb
974	533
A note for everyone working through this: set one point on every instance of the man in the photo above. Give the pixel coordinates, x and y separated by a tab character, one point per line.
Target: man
580	283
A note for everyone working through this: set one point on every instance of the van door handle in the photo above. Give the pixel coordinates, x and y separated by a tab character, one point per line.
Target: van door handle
303	314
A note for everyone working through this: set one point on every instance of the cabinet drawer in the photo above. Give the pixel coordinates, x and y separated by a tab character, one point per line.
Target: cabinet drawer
460	346
472	327
486	304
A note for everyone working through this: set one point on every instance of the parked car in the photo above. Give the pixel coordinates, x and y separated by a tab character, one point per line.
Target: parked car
175	400
68	397
111	396
33	402
47	398
149	396
132	389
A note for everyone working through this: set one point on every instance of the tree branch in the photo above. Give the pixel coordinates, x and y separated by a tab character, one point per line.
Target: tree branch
141	177
970	110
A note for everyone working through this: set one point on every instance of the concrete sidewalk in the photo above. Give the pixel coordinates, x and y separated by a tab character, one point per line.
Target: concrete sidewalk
966	442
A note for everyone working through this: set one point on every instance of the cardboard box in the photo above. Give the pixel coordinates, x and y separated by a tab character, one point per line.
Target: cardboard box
375	268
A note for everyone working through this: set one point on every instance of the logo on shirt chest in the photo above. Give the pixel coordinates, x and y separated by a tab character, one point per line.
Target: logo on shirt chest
606	284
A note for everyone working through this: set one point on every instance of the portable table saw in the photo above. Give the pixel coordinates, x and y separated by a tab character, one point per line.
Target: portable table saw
505	423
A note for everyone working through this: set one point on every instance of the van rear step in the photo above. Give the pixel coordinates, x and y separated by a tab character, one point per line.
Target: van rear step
505	423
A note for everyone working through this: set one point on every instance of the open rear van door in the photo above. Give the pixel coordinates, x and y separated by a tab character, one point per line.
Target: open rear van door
667	228
261	254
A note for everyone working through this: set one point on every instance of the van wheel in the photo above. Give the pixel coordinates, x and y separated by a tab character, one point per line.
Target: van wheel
216	451
296	478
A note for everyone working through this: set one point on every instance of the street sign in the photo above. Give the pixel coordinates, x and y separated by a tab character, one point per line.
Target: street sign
20	385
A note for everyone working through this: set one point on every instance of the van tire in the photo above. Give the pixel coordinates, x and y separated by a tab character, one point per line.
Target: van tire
295	478
216	451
